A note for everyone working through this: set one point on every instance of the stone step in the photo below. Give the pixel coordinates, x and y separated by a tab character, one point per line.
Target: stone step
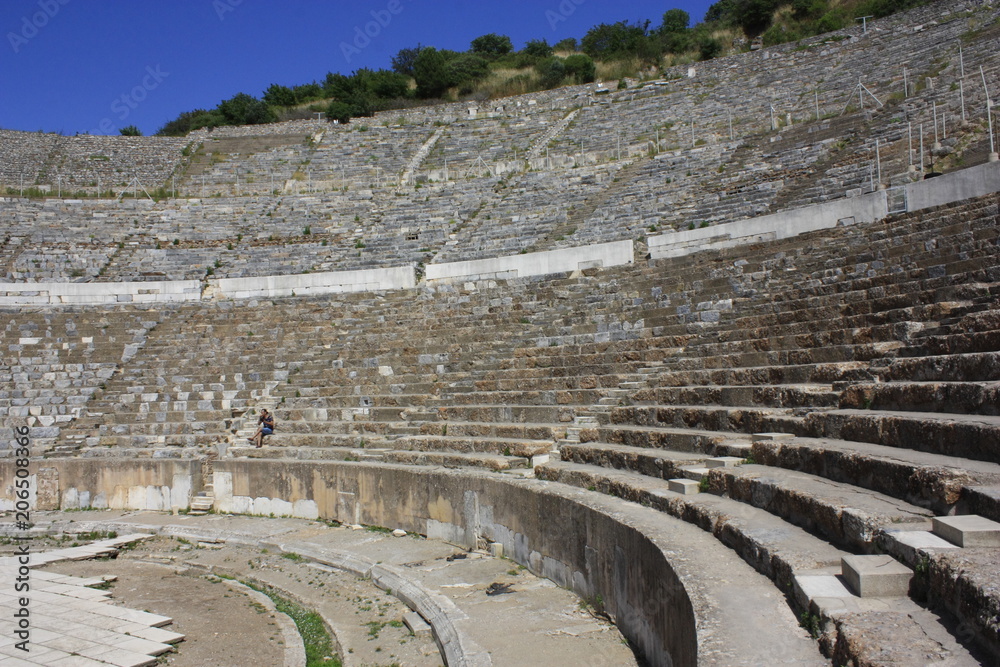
806	566
938	482
450	459
947	397
967	436
654	463
504	446
841	513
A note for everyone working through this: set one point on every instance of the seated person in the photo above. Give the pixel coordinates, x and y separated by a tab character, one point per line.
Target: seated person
265	426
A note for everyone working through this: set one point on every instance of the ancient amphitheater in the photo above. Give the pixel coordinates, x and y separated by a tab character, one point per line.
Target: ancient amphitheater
710	352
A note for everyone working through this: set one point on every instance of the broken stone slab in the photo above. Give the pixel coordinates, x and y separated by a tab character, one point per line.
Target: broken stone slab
969	530
876	576
417	625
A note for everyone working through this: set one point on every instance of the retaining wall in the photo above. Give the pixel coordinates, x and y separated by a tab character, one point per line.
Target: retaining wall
365	280
956	186
565	260
105	483
554	531
97	294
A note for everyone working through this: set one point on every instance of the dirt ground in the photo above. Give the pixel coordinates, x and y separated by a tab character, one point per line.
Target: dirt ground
224	627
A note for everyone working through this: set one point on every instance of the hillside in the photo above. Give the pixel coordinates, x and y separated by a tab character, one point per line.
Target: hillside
491	68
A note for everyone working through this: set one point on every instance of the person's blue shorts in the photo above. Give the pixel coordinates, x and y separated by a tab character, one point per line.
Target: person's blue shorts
267	431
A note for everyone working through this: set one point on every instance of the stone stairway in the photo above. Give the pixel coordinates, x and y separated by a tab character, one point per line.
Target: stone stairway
417	160
538	149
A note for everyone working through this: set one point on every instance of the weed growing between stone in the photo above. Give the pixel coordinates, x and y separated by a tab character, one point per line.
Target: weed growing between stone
315	636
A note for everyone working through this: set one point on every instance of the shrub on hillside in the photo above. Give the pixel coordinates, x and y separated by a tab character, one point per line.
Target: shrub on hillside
551	72
188	121
243	109
568	44
614	40
339	111
492	45
466	68
537	48
581	67
430	71
674	20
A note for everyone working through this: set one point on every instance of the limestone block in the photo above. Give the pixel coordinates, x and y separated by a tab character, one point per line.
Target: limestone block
770	437
305	509
723	462
417	625
684	487
877	576
262	506
968	530
281	507
242	505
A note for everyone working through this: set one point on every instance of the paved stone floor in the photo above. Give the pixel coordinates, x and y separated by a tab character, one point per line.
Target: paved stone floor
319	565
71	623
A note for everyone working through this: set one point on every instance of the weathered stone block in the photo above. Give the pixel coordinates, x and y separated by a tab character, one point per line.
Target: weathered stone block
723	462
876	576
685	487
969	530
770	437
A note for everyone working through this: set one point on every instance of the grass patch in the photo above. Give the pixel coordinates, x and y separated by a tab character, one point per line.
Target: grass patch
315	636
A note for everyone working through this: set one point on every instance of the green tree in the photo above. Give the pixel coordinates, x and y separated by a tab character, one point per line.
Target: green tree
709	48
492	45
130	131
339	111
188	121
581	67
307	92
466	68
279	96
551	72
568	44
537	48
389	85
403	61
243	109
614	40
674	20
431	73
723	11
754	16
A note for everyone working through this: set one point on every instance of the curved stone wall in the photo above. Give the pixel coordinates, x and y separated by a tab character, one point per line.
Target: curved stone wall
579	542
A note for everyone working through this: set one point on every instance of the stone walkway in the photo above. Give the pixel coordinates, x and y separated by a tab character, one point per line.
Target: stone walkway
536	622
71	623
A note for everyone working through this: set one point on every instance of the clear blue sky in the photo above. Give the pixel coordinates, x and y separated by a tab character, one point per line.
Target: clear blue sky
76	66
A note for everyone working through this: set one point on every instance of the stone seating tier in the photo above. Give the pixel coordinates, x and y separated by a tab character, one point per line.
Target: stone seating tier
831	395
337	180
